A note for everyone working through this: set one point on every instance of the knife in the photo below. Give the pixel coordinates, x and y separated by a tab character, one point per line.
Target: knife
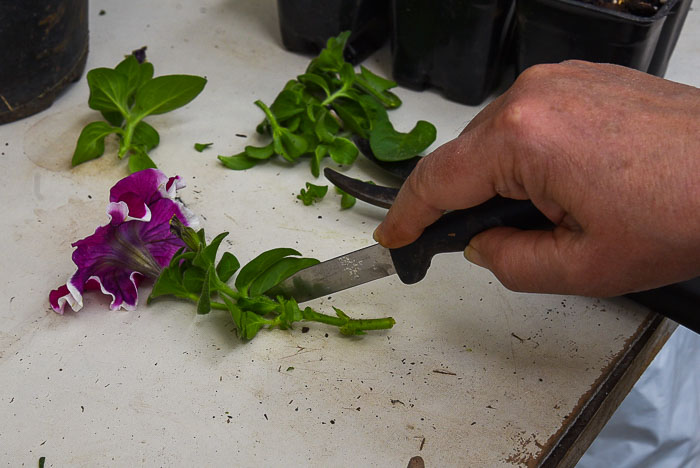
451	233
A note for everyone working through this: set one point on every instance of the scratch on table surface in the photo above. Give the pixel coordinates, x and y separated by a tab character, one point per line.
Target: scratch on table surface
506	310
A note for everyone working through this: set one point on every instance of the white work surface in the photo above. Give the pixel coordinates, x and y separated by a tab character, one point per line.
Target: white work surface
163	387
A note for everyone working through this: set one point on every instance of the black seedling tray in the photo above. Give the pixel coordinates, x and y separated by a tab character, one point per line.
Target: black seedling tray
468	48
669	37
455	46
549	31
306	25
44	49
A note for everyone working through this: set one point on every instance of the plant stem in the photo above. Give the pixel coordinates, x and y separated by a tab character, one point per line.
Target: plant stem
311	315
268	114
128	135
226	289
336	95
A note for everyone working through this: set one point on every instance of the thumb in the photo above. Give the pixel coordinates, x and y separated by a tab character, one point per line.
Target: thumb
531	261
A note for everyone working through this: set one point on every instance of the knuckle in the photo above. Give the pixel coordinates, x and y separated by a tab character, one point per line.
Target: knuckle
537	73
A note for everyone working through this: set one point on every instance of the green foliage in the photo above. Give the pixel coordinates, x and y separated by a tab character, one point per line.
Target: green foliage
312	193
199	147
124	96
194	275
315	115
346	200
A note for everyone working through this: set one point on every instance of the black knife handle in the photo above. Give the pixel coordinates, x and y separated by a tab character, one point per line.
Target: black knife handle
453	231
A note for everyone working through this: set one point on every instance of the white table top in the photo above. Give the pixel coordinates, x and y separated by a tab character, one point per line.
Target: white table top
163	387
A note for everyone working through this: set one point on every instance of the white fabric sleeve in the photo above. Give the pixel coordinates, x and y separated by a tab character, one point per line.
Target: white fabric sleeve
658	423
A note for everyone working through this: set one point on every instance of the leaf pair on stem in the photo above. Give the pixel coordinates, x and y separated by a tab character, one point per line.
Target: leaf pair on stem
126	95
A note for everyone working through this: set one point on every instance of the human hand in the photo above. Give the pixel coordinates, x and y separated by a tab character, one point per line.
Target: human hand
610	155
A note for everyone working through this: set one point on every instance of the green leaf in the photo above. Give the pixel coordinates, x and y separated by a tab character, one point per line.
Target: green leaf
228	265
238	162
114	118
259	264
353	115
261	305
145	73
139	161
166	93
202	146
168	283
263	152
287	104
343	151
331	58
288	145
204	302
91	142
346	200
251	325
290	313
389	145
312	194
319	154
377	87
207	255
316	80
193	280
284	141
347	75
326	127
130	68
108	90
279	272
145	135
247	323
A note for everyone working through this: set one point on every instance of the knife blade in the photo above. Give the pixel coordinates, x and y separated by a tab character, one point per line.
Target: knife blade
451	233
343	272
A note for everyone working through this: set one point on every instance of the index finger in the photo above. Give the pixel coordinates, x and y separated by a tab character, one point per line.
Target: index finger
459	174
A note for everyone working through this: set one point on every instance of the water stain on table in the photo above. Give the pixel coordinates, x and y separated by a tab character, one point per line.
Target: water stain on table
50	142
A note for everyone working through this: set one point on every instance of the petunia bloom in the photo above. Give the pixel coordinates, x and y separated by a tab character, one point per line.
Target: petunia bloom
136	243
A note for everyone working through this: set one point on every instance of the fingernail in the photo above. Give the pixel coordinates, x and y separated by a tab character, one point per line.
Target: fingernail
377	235
471	254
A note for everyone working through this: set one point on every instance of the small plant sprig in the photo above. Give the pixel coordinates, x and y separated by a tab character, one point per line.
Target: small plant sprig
315	115
126	95
194	275
312	193
315	193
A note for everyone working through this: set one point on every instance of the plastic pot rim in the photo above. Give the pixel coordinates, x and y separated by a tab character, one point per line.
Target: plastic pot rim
663	11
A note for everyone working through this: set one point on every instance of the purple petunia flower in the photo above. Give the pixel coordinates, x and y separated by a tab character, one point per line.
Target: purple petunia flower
136	242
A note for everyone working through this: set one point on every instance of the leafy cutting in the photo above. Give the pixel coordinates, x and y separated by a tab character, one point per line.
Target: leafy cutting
316	114
125	95
312	193
194	274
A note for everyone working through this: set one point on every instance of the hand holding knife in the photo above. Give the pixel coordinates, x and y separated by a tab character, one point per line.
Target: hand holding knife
451	233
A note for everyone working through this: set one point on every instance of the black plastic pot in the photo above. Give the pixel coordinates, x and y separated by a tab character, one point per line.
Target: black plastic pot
549	31
306	25
43	48
456	46
669	37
